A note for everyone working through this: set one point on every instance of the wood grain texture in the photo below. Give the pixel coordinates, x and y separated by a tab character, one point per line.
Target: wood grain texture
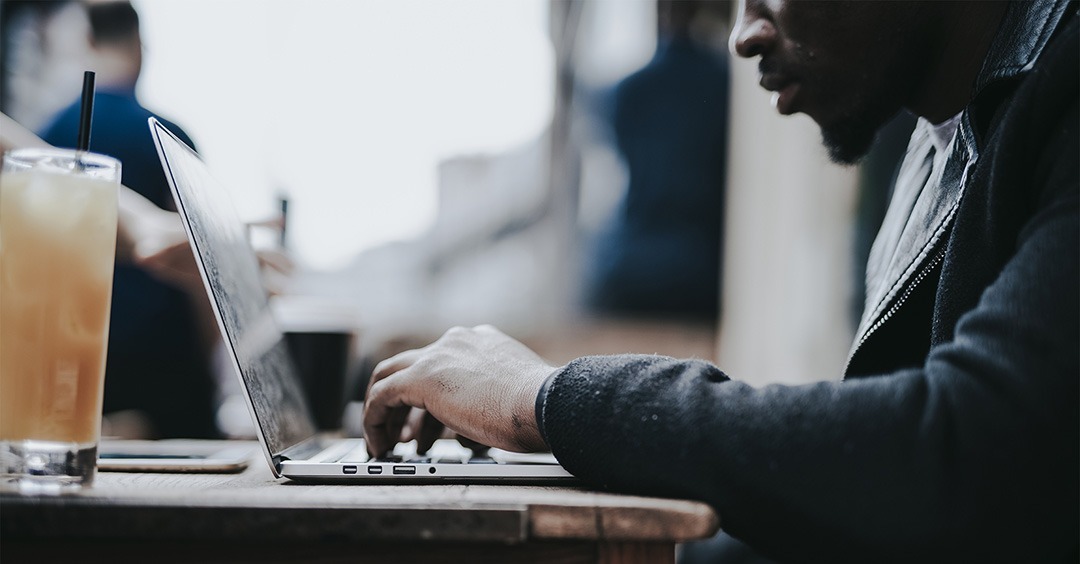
632	552
181	516
323	553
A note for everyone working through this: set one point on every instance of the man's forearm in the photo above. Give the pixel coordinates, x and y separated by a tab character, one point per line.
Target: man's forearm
139	219
15	136
978	443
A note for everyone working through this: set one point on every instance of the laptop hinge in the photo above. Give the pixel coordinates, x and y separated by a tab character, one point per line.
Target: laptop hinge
302	450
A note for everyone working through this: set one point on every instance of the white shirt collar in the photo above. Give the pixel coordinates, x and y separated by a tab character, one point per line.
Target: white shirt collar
942	134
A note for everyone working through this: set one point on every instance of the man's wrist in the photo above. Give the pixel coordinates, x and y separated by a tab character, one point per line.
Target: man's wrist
525	418
540	404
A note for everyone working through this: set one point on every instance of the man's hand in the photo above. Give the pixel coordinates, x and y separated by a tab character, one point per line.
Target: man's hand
478	382
154	240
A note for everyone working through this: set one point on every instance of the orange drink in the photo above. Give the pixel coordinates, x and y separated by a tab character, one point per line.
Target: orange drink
57	245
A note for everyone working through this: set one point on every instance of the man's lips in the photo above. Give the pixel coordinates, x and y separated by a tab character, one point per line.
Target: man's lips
785	89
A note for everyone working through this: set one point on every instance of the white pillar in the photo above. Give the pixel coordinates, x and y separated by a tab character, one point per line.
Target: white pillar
788	241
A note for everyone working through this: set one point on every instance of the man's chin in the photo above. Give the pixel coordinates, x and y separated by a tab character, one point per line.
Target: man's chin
850	137
847	144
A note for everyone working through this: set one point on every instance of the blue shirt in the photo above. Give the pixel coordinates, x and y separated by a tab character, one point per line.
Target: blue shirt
156	362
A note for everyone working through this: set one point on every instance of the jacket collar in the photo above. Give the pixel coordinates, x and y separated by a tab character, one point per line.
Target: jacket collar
924	202
1024	33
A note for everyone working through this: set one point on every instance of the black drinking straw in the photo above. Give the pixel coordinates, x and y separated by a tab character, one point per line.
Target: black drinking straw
86	115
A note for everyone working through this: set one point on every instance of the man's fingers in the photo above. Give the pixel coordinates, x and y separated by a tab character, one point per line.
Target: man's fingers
430	430
276	260
412	424
395	421
394	364
478	448
389	402
174	265
381	400
422	426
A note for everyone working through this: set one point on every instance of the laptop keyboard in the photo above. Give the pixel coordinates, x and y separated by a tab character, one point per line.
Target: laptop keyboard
443	452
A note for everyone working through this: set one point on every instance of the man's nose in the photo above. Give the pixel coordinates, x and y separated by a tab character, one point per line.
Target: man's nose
752	35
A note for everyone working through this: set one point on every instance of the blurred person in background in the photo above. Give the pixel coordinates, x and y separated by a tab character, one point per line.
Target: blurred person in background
660	254
956	434
159	382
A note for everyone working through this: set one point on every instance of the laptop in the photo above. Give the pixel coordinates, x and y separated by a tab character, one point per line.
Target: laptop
268	376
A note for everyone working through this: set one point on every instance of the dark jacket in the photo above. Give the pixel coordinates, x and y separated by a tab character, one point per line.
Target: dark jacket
956	435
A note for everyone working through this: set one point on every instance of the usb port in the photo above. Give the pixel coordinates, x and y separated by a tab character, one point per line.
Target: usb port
404	469
348	469
374	469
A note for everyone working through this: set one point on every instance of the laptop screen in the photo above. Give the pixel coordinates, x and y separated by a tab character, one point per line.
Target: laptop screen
230	270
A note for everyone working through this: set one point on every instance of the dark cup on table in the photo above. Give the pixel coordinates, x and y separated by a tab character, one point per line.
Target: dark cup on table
321	337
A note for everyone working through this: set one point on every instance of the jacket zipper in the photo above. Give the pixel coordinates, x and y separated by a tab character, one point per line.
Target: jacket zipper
926	270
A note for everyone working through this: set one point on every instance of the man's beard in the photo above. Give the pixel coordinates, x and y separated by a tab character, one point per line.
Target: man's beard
850	139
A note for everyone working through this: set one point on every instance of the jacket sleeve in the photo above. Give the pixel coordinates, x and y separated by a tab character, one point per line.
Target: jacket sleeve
973	456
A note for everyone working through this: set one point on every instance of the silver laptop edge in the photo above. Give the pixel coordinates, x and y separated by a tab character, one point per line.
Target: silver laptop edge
161	136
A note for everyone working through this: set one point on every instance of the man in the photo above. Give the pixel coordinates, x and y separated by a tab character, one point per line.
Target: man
160	334
669	123
956	435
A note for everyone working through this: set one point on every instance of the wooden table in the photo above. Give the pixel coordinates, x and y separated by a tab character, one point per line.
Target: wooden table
251	517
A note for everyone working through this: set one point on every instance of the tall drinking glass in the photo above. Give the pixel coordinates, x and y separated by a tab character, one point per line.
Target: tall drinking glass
57	246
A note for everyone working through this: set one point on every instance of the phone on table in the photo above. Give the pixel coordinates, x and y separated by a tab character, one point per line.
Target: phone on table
175	455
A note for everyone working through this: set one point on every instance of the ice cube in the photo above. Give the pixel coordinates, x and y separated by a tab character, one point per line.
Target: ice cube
50	203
